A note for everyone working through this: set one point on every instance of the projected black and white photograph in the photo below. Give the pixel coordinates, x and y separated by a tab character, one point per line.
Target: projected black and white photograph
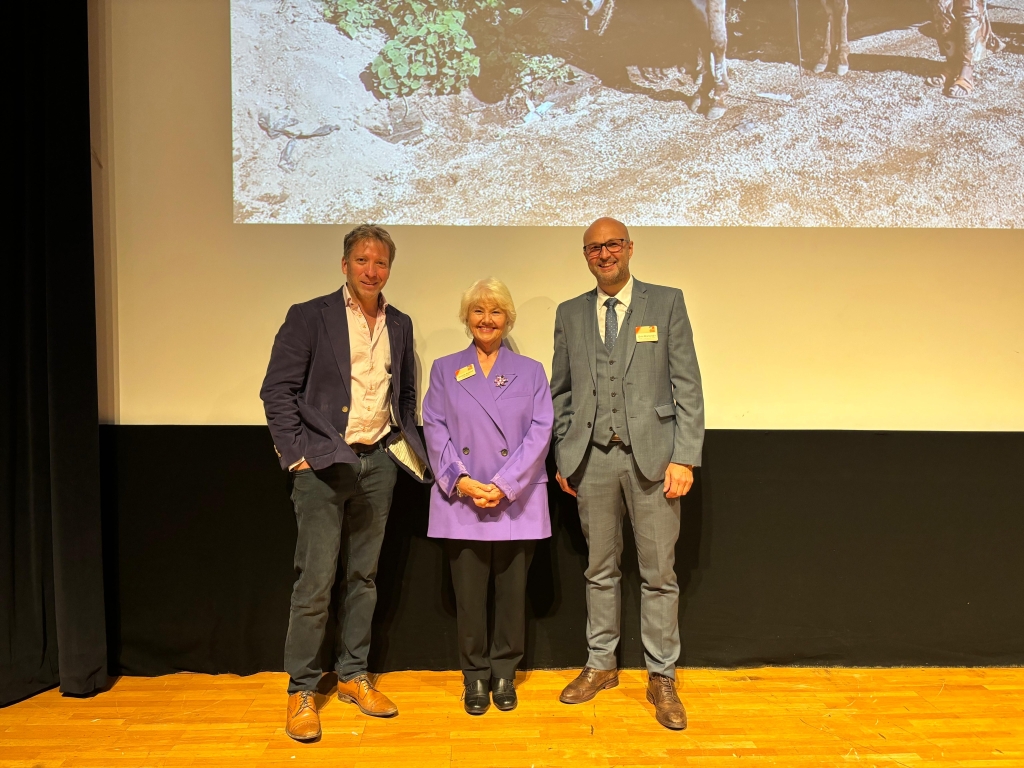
866	113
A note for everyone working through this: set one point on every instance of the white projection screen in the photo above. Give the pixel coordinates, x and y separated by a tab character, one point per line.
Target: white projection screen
670	112
203	240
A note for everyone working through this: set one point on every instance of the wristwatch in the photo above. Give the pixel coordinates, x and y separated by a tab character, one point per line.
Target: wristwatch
459	490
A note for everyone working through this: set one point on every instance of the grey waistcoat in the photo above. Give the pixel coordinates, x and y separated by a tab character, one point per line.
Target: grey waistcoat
611	405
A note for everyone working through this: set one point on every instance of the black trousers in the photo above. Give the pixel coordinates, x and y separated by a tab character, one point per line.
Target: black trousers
472	564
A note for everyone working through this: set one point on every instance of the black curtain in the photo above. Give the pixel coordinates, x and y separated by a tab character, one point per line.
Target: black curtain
51	571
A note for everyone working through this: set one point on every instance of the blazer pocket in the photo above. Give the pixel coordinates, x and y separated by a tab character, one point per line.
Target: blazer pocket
514	395
666	411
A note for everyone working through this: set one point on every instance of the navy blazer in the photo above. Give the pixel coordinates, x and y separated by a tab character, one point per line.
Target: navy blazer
308	387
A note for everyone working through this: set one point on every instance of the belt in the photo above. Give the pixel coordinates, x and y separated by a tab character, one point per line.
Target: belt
361	448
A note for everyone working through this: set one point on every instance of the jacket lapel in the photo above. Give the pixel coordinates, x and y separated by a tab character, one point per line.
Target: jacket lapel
590	331
396	341
634	317
477	385
505	365
336	321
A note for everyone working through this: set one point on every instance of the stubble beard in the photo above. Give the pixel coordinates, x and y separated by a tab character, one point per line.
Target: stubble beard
360	293
606	280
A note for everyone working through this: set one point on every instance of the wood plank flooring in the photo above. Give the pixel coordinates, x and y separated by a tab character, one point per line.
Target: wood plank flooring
776	716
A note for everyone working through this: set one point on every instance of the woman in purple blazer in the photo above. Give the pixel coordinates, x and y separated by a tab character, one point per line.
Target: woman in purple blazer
487	419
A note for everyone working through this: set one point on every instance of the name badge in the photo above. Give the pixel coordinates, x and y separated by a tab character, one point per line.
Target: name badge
647	333
465	373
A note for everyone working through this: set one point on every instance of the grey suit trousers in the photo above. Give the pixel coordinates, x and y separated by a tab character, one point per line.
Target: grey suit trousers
609	485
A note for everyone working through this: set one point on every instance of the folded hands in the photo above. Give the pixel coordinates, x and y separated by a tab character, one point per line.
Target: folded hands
484	495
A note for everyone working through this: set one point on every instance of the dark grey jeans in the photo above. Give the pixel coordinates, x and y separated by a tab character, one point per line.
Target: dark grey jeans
340	510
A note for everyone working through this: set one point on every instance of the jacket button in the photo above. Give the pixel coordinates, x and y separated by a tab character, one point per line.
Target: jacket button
595	391
504	451
588	425
344	409
465	451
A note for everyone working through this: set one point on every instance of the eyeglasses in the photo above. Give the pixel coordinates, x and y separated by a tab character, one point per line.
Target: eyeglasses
593	250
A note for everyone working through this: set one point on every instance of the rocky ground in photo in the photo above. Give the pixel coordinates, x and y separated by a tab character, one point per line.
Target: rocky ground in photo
877	147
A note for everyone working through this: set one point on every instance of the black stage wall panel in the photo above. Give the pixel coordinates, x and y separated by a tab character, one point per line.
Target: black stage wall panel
819	548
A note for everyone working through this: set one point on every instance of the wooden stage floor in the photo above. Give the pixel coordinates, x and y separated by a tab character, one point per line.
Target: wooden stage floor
777	716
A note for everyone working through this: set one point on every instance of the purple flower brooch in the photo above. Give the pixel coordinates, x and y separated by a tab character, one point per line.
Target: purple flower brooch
500	381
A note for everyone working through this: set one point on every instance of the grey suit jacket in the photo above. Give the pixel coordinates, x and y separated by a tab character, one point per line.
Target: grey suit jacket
662	389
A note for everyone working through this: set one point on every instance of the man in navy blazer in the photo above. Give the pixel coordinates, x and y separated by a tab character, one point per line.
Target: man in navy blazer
340	399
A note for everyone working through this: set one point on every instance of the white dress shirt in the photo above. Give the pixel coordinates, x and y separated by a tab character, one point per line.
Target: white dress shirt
625	295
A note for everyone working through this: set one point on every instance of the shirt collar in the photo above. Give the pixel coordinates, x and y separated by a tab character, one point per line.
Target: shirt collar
382	303
625	295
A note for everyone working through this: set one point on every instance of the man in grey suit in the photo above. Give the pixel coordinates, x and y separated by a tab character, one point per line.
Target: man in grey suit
629	429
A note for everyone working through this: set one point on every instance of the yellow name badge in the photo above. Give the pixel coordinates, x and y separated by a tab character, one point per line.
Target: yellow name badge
647	333
465	373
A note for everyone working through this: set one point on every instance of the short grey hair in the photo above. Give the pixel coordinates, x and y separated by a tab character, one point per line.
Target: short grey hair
492	289
369	232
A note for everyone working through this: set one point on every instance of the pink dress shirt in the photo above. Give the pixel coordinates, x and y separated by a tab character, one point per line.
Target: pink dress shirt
369	419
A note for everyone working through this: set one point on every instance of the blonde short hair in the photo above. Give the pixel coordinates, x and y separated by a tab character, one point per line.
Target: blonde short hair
492	289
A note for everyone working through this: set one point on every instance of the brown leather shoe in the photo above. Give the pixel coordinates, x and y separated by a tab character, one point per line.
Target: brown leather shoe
668	709
360	691
303	722
587	684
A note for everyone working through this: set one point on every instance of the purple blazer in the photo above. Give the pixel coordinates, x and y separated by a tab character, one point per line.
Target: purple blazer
496	429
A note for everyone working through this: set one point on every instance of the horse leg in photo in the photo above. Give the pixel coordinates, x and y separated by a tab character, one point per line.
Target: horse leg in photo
826	42
840	35
720	86
700	70
717	58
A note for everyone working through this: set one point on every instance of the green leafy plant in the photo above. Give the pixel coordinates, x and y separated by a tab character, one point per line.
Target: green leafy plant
533	73
429	48
353	16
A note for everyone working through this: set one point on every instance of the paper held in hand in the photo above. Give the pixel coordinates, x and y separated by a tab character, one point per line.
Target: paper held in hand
405	455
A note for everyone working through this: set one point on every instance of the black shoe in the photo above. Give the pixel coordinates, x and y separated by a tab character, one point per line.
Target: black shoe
504	692
477	698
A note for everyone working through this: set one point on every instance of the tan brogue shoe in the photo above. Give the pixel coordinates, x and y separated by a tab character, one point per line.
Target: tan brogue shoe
668	709
587	684
303	720
360	691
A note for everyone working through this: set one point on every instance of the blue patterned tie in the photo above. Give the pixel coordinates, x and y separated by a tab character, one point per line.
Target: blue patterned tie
611	324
